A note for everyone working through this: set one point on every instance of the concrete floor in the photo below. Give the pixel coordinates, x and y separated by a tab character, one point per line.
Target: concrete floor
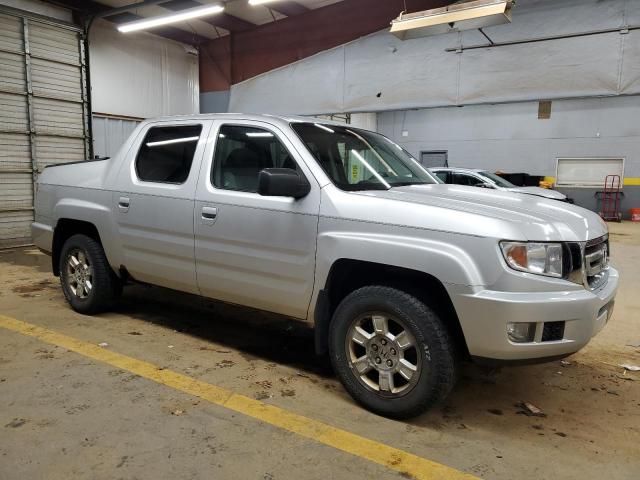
64	416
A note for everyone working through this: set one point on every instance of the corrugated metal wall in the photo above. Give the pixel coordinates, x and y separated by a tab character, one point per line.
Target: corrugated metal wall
110	133
43	112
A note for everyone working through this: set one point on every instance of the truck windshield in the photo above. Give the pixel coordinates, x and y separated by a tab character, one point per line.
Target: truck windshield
357	159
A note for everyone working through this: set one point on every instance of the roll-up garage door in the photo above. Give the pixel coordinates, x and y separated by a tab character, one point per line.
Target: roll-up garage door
43	112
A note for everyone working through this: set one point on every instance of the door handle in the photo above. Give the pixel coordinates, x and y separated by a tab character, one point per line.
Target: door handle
209	214
123	203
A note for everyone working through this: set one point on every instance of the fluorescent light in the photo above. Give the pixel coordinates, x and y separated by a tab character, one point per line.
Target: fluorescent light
259	134
459	16
174	140
260	2
180	16
324	128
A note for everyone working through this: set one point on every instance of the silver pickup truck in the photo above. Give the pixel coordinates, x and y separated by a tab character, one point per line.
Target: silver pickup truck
401	276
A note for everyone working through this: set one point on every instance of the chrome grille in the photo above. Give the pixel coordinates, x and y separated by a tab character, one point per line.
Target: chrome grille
596	262
587	263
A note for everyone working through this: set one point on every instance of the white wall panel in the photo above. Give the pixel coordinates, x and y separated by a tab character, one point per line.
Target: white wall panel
630	71
314	86
141	75
400	72
573	67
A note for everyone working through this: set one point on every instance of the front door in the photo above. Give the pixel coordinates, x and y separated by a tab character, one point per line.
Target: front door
254	250
154	206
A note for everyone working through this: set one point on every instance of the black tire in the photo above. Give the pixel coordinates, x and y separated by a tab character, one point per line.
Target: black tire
434	350
106	287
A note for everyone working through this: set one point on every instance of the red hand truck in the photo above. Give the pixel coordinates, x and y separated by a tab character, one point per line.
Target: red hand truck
610	207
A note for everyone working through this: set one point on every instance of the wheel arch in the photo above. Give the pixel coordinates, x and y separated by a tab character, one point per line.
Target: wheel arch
65	228
347	275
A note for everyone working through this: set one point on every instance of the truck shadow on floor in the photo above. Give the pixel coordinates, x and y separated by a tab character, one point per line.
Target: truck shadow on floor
484	400
254	333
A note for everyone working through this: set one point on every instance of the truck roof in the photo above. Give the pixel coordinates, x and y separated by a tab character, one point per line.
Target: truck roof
278	119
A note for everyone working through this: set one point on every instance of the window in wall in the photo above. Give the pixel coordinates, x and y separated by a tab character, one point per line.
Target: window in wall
587	172
242	152
434	159
166	153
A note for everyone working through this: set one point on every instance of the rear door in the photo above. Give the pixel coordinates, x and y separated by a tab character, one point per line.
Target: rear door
154	204
253	250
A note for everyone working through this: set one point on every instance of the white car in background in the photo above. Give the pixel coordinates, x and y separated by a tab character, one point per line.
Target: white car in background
485	179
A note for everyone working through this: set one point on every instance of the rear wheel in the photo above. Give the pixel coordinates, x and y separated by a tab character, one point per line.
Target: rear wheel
88	282
391	352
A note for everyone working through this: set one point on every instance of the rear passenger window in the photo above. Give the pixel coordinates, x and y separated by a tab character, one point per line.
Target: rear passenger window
242	152
166	153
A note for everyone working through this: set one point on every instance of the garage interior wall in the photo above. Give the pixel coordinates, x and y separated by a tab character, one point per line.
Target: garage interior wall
381	72
137	76
510	137
43	109
592	80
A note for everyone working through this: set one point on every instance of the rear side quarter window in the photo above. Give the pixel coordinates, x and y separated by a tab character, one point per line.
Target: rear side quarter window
166	153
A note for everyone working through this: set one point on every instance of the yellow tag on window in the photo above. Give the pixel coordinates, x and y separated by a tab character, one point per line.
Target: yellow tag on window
355	172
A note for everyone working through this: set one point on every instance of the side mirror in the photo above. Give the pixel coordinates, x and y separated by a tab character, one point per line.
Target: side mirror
282	182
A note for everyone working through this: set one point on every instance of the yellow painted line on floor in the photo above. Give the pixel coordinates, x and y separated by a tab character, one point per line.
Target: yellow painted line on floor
406	463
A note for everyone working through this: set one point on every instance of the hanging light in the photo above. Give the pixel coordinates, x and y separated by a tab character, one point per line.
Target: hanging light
260	2
459	16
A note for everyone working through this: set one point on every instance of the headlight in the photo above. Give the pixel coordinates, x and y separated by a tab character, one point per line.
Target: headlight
539	258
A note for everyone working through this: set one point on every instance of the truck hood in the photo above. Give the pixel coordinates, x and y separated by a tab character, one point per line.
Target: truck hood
492	213
540	192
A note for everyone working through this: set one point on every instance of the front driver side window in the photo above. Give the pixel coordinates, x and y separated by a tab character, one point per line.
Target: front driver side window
242	152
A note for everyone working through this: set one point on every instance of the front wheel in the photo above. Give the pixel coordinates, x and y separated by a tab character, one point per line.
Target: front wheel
391	352
88	282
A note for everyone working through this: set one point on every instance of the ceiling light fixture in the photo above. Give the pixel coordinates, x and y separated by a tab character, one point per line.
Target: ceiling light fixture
459	16
260	2
179	16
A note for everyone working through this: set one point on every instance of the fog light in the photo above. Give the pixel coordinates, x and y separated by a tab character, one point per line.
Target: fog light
521	332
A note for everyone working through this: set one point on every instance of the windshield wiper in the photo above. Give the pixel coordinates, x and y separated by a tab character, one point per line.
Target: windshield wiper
406	184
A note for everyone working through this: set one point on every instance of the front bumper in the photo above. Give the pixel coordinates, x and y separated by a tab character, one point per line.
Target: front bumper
484	316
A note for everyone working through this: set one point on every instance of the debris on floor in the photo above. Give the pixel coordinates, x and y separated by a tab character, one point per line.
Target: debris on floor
530	410
631	368
103	344
16	422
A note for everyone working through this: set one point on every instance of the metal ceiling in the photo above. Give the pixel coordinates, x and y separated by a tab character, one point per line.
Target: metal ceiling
238	16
